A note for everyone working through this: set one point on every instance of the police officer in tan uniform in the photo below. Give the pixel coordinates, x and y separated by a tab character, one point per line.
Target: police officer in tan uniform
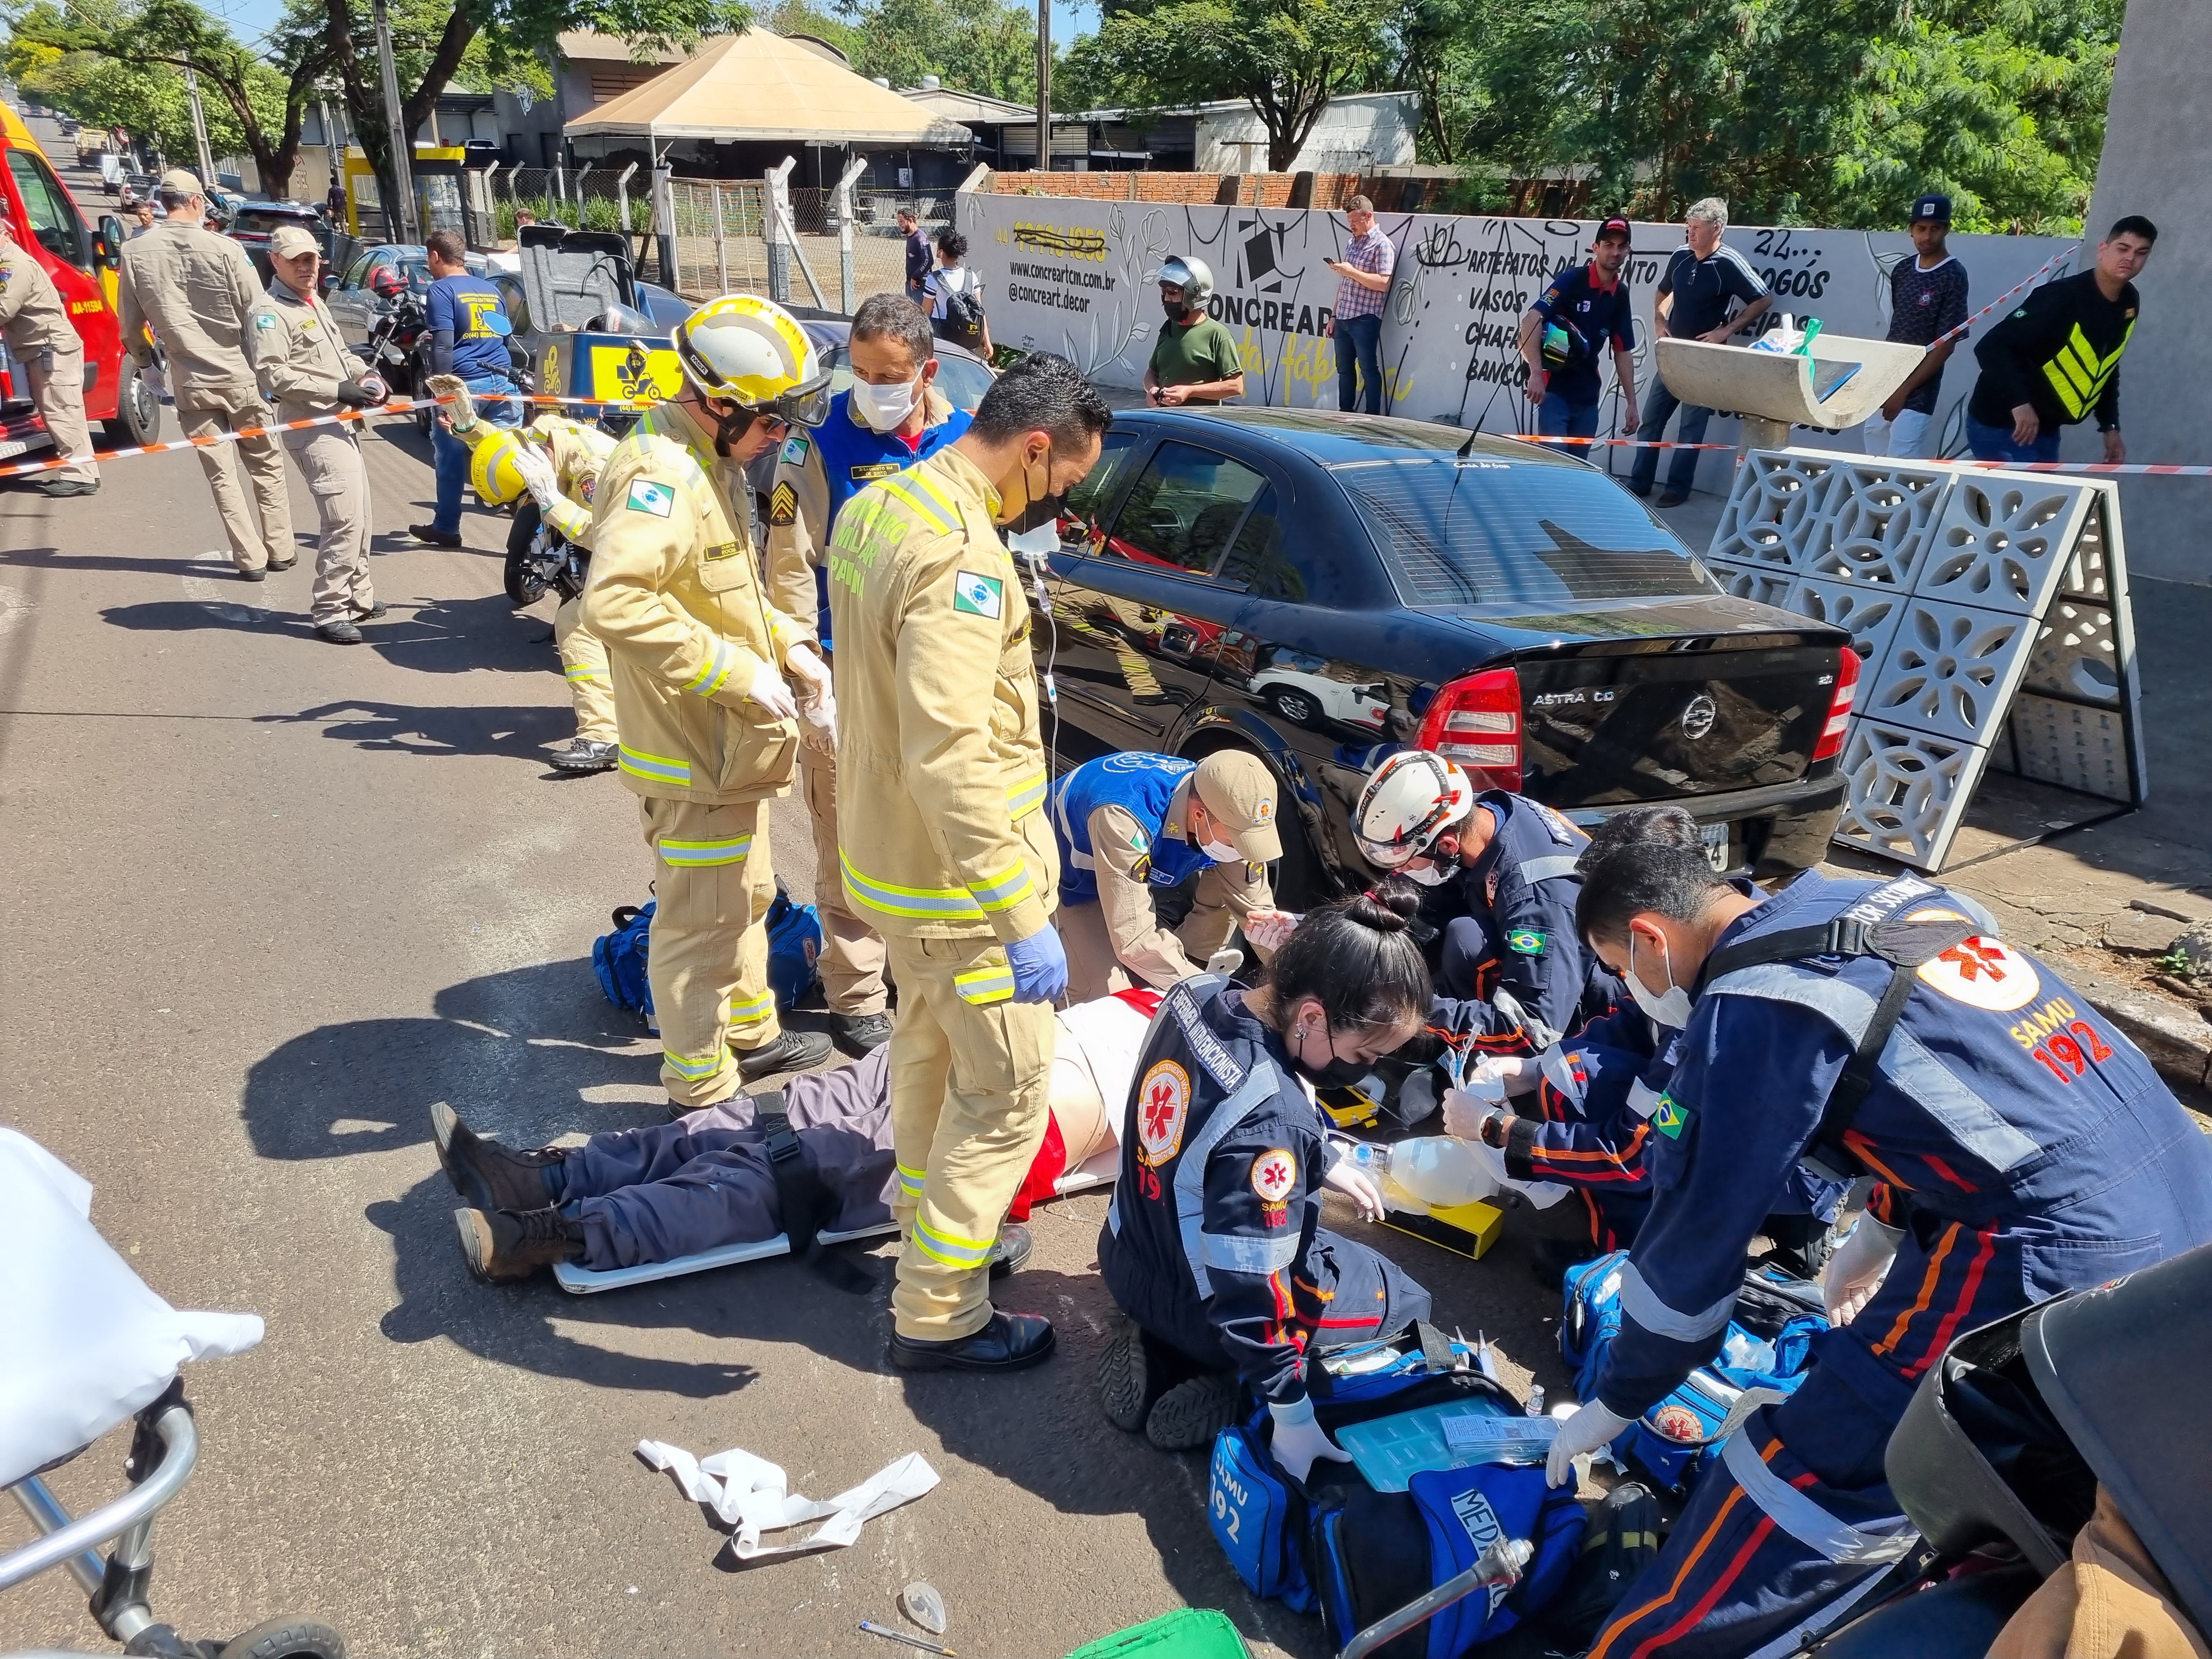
945	847
708	730
45	342
890	417
196	289
305	370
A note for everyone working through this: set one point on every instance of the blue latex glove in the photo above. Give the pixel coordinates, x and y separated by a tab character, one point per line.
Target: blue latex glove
1040	966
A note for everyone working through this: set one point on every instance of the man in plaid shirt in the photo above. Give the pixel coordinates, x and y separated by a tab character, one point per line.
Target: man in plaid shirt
1356	326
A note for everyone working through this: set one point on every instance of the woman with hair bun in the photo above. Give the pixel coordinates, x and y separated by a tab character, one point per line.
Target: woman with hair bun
1213	1245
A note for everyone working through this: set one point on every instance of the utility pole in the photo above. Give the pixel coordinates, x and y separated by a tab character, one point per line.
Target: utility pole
1044	86
199	126
399	216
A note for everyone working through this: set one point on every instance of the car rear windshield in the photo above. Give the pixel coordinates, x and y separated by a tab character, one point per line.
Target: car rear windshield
250	218
1493	532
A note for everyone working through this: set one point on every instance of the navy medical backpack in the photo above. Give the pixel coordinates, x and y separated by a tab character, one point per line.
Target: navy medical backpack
795	946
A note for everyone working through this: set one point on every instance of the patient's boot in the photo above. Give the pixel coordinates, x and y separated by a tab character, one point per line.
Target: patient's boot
507	1244
490	1175
1127	1387
1191	1413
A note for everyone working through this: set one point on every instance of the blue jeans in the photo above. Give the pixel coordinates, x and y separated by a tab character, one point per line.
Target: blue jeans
1659	406
1994	443
1558	418
1359	351
450	455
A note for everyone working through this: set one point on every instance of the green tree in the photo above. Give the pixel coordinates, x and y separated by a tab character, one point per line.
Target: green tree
976	45
1287	58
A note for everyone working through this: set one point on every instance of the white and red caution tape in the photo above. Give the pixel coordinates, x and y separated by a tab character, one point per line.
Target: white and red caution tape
2003	298
396	406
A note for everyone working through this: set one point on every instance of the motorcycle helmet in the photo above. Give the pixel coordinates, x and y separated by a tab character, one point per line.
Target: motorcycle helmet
492	470
1190	273
1409	803
754	353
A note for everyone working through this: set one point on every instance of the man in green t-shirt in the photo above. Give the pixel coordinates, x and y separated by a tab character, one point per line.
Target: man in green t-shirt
1195	360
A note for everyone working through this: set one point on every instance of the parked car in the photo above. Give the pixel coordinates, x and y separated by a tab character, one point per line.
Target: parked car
135	188
253	223
1311	585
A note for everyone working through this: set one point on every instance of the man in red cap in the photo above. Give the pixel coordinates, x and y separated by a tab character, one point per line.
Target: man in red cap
1563	335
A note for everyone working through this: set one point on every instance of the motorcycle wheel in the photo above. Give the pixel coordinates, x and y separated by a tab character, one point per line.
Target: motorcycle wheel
524	585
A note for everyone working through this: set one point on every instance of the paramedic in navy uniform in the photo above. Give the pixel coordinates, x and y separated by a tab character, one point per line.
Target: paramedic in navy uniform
2021	1146
1212	1244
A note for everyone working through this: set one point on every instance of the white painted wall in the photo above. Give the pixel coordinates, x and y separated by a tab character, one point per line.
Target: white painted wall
1368	129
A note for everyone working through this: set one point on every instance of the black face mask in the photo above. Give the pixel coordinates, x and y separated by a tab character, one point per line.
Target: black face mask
1041	509
1336	1074
1174	308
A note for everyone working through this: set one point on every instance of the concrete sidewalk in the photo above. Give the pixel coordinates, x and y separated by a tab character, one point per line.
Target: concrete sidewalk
2102	903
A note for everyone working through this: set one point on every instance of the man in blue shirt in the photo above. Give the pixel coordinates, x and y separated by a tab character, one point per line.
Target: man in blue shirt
469	330
1565	332
1702	280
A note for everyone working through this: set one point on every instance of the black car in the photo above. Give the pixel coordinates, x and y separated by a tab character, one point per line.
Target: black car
1316	587
251	224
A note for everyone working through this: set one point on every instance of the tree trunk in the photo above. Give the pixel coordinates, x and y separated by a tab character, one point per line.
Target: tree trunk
460	29
363	109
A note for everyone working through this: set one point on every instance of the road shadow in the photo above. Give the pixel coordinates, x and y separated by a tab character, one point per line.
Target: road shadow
224	615
461	636
518	733
531	1055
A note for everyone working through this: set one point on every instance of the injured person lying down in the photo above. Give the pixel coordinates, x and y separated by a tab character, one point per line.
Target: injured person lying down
711	1178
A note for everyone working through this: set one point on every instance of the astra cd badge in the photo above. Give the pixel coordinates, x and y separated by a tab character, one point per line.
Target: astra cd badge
1698	717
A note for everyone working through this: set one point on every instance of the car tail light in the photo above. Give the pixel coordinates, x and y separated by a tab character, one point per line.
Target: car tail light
1475	723
1839	706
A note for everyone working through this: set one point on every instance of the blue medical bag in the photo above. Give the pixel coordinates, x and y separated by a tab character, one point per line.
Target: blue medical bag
619	958
795	946
1671	1442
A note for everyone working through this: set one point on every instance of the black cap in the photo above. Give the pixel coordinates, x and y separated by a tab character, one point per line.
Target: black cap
1937	208
1614	226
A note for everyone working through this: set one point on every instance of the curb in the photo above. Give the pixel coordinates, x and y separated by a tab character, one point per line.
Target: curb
2176	1039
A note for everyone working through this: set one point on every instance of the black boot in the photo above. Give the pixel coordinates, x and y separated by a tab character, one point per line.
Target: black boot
1008	1343
1190	1414
1011	1253
509	1244
490	1175
792	1051
1127	1389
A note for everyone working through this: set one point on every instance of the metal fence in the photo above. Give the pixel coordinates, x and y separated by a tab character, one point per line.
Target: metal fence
722	246
590	198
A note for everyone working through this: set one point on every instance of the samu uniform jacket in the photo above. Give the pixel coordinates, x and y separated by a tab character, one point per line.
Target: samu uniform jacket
676	591
940	764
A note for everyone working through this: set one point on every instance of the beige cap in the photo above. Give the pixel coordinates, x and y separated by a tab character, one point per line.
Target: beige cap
177	179
289	241
1235	787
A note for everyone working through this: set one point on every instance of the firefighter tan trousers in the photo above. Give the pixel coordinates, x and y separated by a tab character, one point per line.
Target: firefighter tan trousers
851	963
584	661
707	954
971	1087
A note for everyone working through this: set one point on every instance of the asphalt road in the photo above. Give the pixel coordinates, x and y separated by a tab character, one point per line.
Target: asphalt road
268	900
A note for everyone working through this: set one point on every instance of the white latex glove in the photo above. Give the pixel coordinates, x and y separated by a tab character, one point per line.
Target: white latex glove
1516	1074
1465	1111
1299	1440
769	691
1855	1272
818	721
1585	1432
1270	930
536	469
460	413
1347	1177
802	662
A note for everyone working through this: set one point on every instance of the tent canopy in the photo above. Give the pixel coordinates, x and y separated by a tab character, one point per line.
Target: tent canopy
760	86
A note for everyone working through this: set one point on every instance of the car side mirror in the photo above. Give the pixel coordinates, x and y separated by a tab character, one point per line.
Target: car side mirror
107	243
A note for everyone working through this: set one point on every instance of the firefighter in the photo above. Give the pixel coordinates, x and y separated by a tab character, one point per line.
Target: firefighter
1225	1268
1126	824
1503	870
891	416
557	461
2020	1145
38	330
707	728
944	842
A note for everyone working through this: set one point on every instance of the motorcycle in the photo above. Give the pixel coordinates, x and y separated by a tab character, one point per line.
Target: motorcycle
394	346
539	556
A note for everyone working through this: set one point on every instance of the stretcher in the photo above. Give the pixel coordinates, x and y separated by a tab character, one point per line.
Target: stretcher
579	1280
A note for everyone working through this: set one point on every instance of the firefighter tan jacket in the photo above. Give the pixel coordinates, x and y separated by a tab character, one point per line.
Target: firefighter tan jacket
580	453
940	765
32	315
798	535
298	357
196	291
676	594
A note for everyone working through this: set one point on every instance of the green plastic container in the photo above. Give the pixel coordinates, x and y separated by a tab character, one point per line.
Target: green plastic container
1186	1633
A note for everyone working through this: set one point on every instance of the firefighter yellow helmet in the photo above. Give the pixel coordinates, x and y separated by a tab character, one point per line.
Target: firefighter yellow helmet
492	470
755	353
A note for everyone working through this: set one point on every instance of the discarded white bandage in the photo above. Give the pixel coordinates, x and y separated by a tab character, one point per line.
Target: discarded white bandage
754	1496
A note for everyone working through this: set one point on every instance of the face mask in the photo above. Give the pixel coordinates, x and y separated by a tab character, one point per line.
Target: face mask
731	427
1435	875
1333	1074
1173	307
1671	1008
883	407
1220	852
1041	510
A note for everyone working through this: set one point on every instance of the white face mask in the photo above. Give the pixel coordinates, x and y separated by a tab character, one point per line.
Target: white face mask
883	407
1670	1008
1431	874
1220	852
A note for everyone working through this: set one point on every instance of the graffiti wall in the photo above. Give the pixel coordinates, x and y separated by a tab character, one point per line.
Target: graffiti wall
1073	275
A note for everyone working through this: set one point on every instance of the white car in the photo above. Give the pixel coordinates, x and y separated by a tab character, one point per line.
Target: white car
1294	686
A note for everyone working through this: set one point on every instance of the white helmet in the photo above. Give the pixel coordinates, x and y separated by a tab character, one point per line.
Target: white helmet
754	352
1408	801
1190	273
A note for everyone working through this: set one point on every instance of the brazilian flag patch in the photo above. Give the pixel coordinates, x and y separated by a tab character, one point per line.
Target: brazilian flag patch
1670	1118
1526	940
